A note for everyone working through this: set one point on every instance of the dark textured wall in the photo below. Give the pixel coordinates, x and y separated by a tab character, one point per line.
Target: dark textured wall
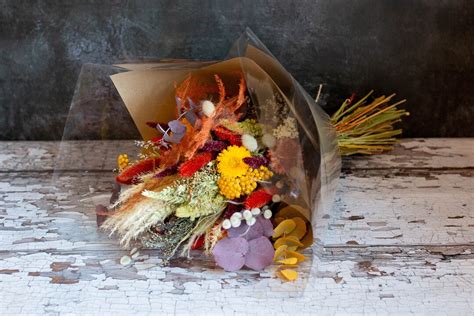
421	49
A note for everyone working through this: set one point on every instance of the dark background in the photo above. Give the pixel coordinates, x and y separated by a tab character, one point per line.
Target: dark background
420	49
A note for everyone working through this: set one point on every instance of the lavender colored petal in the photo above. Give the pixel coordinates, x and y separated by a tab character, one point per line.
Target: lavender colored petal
229	253
175	138
177	127
240	231
192	105
260	254
247	232
267	226
178	103
191	117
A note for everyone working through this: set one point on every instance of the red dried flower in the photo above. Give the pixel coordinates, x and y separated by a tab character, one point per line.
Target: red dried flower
157	139
214	145
198	243
225	134
256	161
231	209
167	172
188	168
130	175
258	198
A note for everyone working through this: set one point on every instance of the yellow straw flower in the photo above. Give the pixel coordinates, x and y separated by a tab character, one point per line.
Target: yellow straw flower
230	163
122	161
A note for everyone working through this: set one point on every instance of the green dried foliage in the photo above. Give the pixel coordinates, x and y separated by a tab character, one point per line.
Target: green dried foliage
192	197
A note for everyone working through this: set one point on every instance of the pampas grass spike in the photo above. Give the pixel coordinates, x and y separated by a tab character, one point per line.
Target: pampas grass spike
134	213
130	225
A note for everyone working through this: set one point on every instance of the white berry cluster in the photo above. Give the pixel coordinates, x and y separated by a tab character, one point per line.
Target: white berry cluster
248	215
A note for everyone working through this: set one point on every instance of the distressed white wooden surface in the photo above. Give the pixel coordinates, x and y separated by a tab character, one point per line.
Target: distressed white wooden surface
399	240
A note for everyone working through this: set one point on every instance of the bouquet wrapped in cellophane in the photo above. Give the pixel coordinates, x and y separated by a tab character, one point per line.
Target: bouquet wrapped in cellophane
235	160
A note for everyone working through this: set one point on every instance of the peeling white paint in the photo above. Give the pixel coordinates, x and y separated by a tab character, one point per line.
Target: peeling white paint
397	242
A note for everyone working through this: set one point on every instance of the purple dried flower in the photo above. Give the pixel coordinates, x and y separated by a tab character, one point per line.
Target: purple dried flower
256	161
214	145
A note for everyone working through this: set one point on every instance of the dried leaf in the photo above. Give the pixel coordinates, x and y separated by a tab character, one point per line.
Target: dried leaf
296	255
291	260
280	252
230	253
300	229
284	228
288	274
290	241
260	254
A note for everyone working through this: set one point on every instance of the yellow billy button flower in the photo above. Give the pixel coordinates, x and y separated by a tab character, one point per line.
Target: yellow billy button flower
122	161
235	187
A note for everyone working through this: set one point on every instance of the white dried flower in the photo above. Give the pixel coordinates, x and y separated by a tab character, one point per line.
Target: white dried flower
125	260
276	198
269	140
208	108
249	142
235	222
255	211
247	214
251	221
226	224
267	214
236	215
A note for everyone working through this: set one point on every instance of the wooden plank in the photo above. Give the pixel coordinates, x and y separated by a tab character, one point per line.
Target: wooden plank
370	209
431	153
420	153
94	283
398	240
377	207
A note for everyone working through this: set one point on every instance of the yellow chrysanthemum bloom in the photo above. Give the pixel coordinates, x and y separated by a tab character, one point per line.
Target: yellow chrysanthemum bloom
230	161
